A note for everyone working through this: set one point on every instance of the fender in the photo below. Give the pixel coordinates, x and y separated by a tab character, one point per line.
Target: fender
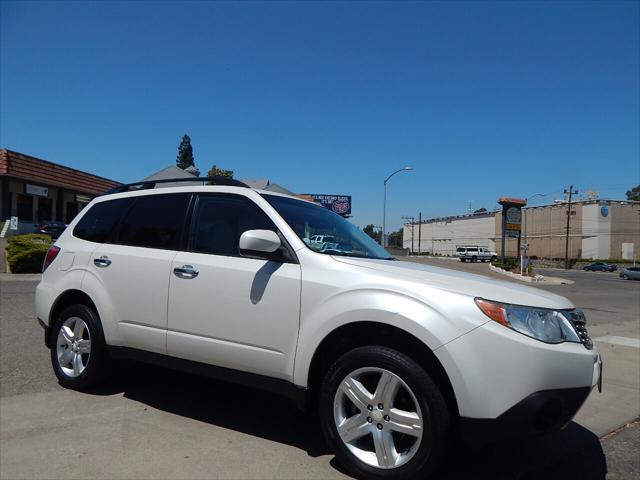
410	314
95	289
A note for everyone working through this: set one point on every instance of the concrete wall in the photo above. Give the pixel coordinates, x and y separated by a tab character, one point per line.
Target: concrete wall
443	236
625	229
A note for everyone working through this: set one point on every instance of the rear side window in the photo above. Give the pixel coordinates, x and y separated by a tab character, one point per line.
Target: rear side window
219	220
98	223
154	221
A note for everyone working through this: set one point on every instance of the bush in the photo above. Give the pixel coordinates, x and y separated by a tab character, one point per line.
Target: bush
508	264
26	253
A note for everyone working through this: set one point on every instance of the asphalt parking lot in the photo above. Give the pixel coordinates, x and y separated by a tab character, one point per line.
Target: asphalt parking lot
150	422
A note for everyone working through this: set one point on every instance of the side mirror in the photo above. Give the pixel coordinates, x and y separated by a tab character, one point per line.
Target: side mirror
259	243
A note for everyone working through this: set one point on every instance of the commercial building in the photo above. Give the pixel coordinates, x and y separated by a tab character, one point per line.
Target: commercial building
36	190
603	229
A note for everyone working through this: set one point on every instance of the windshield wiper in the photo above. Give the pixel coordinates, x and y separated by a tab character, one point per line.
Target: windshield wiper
353	255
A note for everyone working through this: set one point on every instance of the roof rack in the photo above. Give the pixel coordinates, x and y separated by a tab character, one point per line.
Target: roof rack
150	184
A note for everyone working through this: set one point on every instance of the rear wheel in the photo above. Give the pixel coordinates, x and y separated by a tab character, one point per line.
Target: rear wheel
79	355
382	414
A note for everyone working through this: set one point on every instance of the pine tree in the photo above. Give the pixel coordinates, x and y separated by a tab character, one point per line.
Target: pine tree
185	153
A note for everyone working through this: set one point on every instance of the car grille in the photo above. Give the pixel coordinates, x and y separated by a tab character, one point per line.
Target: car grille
579	322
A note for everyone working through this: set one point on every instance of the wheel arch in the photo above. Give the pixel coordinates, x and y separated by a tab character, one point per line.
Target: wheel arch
357	334
64	300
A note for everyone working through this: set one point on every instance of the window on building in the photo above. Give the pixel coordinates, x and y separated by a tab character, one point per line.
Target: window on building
25	207
98	223
220	220
45	206
72	211
154	221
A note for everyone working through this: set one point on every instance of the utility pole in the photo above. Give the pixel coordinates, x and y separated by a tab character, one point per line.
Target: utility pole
412	220
419	232
571	192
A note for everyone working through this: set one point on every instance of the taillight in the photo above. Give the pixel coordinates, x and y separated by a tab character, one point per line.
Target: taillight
51	256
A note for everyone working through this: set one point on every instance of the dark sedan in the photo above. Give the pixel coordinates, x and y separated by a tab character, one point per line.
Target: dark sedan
53	229
600	267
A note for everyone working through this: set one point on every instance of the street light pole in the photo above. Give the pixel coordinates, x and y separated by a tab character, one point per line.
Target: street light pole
384	206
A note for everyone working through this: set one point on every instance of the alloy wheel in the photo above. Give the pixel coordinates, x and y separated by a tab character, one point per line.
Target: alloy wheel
378	417
73	346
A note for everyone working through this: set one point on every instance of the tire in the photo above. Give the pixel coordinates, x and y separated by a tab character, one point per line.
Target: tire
625	277
83	363
416	393
474	259
493	259
463	260
585	269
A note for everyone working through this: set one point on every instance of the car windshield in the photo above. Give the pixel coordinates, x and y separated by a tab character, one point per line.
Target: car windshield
331	234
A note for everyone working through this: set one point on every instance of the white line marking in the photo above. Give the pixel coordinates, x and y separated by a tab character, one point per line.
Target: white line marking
625	341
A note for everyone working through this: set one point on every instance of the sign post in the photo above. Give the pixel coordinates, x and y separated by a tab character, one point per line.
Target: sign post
511	221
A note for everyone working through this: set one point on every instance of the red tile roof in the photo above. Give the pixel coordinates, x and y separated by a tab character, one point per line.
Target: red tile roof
25	167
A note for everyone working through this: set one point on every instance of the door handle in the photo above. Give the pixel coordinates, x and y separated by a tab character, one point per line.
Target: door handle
186	271
103	261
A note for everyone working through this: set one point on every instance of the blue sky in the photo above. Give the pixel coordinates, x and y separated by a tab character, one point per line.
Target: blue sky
483	99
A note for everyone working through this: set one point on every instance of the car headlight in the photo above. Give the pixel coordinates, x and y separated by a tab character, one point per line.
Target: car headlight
550	326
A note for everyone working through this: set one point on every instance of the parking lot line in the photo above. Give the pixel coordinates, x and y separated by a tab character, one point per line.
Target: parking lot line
624	341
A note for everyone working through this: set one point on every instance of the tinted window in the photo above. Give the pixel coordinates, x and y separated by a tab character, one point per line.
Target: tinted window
219	220
98	223
154	221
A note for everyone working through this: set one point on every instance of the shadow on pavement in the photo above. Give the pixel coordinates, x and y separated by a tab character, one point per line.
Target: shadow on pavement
574	453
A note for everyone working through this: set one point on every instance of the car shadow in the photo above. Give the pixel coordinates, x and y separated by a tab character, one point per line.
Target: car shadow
573	453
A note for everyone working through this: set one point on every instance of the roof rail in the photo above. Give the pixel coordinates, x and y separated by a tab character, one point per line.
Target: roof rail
150	184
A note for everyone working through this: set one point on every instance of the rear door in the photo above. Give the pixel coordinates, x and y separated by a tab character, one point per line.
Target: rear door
134	266
232	311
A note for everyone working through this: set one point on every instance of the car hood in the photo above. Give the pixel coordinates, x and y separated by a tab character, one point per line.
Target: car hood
464	283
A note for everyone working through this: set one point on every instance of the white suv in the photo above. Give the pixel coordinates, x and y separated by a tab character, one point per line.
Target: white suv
475	253
220	280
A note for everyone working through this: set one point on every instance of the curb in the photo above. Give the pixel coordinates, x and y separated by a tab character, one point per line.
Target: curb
537	279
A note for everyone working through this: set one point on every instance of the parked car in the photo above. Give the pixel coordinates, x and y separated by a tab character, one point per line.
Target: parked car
395	356
630	273
600	267
323	242
53	229
475	253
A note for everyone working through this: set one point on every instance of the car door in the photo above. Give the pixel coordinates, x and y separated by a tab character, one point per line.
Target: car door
226	309
134	266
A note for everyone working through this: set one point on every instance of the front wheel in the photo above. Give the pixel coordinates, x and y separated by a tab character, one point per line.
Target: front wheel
79	356
625	277
383	415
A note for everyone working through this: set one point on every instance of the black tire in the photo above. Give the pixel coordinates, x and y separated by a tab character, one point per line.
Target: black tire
428	396
98	362
463	260
585	269
493	259
474	259
625	277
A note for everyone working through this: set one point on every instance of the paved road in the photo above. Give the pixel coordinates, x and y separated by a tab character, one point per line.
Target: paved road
154	423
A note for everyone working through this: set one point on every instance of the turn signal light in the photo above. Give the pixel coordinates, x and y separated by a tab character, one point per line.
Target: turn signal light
51	256
494	311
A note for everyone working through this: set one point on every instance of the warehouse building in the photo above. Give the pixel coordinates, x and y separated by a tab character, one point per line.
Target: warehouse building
37	191
602	229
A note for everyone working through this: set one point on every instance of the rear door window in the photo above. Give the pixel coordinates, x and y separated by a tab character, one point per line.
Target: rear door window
98	224
155	221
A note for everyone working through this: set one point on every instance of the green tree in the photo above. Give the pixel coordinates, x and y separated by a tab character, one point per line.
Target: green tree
185	153
395	239
480	210
371	231
634	193
214	171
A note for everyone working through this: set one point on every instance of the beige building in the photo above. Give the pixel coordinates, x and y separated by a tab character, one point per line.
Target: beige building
602	229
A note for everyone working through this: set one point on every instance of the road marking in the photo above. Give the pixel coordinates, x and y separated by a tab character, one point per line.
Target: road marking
624	341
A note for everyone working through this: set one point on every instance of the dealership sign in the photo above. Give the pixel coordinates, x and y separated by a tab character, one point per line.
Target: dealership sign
341	204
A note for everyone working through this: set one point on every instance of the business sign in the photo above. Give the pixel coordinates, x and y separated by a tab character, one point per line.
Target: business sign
13	223
36	190
511	220
341	204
